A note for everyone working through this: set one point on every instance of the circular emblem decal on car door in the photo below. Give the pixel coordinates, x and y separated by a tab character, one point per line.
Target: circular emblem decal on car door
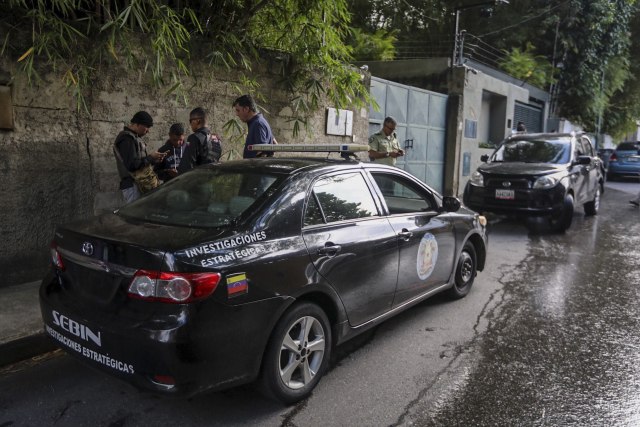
427	256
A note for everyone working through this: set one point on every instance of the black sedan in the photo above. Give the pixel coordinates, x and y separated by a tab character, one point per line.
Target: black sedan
253	269
539	175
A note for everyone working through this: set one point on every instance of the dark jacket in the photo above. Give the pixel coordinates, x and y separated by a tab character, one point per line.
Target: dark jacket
171	161
133	152
200	148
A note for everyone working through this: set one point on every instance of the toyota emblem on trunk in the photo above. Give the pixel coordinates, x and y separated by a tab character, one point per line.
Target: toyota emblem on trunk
87	248
506	184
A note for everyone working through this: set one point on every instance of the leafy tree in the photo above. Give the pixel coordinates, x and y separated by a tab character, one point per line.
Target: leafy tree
76	39
377	46
588	41
594	36
528	67
419	26
623	111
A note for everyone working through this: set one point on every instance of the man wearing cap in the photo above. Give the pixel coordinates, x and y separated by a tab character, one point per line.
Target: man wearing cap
132	153
168	167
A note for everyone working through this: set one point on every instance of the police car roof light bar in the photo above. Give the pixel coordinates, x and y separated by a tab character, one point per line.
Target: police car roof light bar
317	148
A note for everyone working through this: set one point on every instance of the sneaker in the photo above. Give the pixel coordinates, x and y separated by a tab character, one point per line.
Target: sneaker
634	203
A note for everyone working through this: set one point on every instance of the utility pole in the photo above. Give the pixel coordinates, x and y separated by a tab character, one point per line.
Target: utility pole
458	38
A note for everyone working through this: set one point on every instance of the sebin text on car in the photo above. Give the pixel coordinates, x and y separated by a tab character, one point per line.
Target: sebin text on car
539	175
254	270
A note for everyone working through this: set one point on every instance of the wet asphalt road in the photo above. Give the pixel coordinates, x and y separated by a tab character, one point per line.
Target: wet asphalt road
547	337
563	346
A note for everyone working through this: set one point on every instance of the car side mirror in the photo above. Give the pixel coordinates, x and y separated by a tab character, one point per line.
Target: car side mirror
450	204
484	158
583	160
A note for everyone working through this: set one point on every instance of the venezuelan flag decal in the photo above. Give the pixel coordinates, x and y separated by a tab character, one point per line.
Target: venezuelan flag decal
237	284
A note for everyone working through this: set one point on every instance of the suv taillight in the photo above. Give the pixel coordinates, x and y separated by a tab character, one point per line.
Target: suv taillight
174	288
613	157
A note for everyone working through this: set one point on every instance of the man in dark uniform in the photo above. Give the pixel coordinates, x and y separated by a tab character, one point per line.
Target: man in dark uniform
202	146
132	154
168	168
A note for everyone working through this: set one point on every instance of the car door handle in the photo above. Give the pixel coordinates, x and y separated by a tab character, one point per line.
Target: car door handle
329	250
405	234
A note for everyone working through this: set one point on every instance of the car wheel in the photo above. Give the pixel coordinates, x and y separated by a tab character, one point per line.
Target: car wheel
465	272
591	208
561	221
297	354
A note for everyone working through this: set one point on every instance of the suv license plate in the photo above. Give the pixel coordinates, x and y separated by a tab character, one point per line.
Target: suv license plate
505	194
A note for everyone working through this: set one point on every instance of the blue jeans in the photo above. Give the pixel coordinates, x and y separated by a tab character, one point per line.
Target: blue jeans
130	194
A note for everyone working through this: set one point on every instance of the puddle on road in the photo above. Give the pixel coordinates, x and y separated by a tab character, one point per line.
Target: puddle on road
564	347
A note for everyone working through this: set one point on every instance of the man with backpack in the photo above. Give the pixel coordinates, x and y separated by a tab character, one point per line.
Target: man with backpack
202	146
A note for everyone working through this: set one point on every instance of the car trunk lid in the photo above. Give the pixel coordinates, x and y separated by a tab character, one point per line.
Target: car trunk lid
100	256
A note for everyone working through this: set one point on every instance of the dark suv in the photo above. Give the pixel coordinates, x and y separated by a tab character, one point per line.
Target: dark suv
538	175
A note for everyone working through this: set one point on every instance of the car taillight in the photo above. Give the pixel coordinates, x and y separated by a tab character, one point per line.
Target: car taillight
613	157
56	259
175	288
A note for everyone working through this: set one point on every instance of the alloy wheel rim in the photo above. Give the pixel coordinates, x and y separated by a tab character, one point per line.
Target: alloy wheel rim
301	352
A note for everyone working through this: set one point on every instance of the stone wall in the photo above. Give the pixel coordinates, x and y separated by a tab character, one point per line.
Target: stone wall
58	166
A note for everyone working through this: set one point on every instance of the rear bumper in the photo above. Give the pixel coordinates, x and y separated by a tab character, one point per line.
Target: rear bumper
526	202
206	347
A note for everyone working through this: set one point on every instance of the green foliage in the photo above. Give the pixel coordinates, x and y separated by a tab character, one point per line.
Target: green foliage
584	39
77	38
376	46
623	110
526	66
595	35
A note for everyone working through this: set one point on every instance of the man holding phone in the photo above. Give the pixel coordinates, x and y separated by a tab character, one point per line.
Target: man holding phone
384	146
131	154
174	149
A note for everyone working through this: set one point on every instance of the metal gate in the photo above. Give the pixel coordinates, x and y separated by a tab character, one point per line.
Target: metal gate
530	115
421	117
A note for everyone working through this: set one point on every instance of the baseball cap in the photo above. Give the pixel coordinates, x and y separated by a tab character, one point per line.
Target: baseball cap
142	118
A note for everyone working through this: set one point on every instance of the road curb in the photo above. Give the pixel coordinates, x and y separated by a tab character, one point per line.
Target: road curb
25	348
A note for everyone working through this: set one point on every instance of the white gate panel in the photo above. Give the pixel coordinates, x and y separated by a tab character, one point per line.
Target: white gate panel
421	117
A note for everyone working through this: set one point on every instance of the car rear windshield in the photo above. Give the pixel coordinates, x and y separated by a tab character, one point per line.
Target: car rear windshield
534	151
202	198
627	146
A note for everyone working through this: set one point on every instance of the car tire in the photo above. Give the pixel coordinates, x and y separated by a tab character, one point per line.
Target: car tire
465	272
561	221
297	354
591	208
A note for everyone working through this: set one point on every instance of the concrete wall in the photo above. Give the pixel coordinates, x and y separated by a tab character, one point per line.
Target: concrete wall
57	164
478	88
